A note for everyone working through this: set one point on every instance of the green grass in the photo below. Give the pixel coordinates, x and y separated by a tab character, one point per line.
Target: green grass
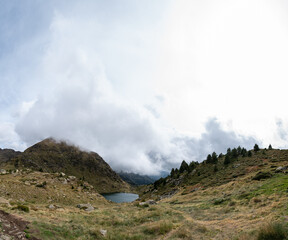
158	229
273	231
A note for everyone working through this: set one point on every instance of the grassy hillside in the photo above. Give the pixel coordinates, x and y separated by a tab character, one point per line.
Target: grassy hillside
204	175
52	156
244	199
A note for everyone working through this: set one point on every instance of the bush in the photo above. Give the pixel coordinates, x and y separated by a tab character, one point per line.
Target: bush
21	208
262	175
275	231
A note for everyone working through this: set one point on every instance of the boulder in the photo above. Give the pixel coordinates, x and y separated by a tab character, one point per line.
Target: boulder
87	207
149	202
281	169
71	178
103	232
51	206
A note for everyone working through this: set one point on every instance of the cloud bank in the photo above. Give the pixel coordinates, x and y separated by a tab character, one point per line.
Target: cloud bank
144	84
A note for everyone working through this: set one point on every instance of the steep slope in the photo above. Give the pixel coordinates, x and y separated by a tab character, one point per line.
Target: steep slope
52	156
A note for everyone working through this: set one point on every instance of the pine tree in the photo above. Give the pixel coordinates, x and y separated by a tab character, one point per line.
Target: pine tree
256	148
243	152
228	151
172	173
270	147
184	167
227	159
214	158
209	159
234	153
192	166
239	149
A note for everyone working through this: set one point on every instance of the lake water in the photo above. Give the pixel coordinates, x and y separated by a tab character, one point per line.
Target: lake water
121	197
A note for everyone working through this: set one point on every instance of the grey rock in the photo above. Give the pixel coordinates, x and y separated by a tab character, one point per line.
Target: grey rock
103	232
281	169
51	206
87	207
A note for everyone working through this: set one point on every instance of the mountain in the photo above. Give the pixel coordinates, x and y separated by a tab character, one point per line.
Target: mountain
52	156
7	154
135	179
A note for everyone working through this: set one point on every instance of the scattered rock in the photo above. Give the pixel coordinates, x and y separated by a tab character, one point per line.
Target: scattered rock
236	165
87	207
51	206
3	171
71	178
103	232
62	174
281	169
148	202
151	202
169	194
27	183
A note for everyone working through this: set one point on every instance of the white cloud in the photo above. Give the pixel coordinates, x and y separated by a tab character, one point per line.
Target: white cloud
225	59
138	82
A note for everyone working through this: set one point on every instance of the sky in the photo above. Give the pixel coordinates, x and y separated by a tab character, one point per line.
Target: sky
145	84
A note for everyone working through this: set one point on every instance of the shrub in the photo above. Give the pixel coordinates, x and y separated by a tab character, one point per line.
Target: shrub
275	231
262	175
21	208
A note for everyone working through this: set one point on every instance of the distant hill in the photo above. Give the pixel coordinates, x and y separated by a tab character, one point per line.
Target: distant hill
52	156
235	164
7	154
136	179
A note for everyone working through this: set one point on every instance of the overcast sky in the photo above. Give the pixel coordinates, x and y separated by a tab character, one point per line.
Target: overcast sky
144	83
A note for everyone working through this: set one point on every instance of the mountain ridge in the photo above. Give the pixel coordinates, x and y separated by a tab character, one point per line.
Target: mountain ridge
51	156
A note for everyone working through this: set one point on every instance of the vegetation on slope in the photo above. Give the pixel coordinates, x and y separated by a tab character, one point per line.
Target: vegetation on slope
51	156
135	179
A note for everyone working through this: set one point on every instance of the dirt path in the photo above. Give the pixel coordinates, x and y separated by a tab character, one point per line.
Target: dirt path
12	227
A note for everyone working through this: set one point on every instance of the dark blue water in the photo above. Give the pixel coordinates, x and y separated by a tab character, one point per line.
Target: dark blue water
121	197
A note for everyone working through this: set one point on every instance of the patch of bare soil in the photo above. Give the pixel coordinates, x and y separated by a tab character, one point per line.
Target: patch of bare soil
13	227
